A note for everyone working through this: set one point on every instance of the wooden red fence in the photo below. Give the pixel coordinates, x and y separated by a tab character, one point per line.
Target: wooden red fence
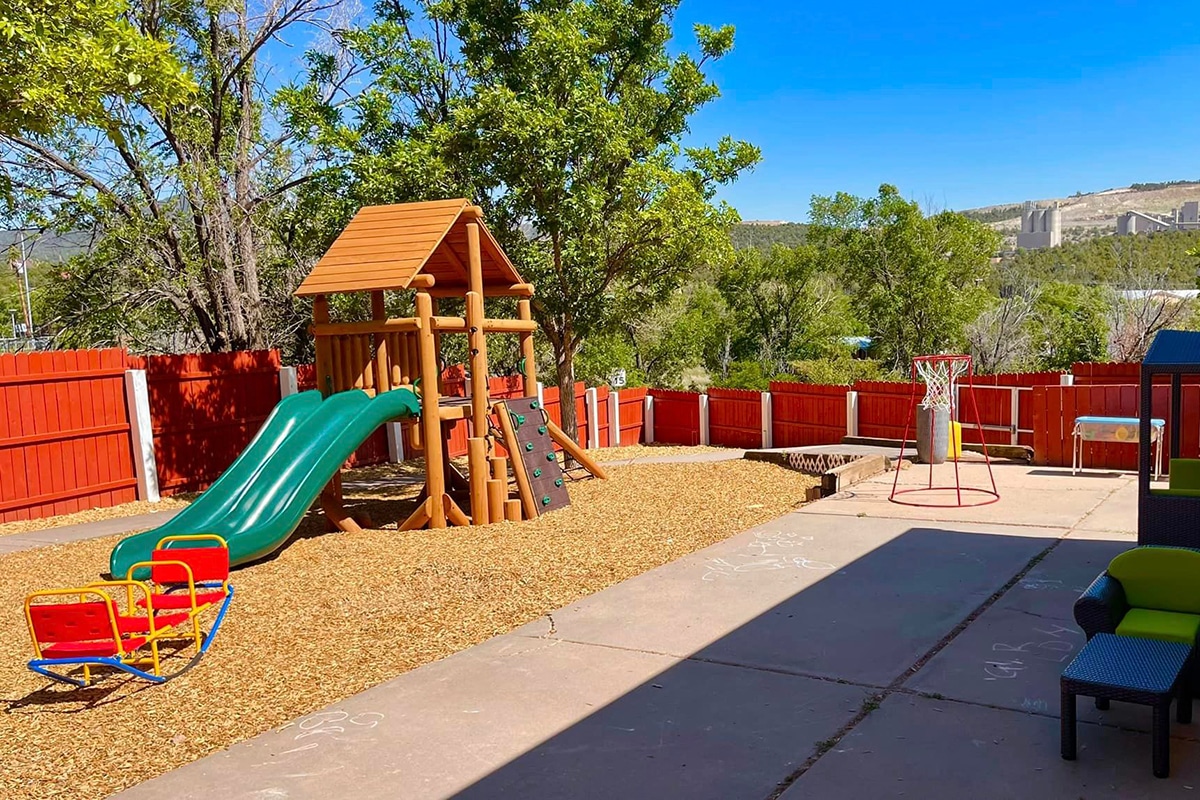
884	408
65	440
806	414
204	409
1088	374
633	416
1056	407
676	417
735	417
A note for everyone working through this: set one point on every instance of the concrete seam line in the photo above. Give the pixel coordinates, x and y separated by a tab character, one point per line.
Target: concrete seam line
873	702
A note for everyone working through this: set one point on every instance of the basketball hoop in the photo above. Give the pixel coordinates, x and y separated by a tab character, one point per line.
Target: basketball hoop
941	376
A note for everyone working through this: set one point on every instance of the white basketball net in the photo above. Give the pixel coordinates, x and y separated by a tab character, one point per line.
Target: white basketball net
941	380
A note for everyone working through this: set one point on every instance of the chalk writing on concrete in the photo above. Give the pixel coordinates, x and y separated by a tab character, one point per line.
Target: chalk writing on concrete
340	726
770	550
1049	642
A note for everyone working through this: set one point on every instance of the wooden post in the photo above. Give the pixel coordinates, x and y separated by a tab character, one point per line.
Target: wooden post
574	450
529	373
512	510
324	365
477	474
383	374
431	425
437	346
500	479
476	338
524	488
477	344
496	500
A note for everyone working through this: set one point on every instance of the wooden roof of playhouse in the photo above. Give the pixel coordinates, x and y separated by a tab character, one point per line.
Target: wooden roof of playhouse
385	247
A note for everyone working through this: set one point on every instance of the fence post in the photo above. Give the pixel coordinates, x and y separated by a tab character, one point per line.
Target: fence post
852	413
1066	379
137	400
614	419
287	382
1015	410
395	442
590	407
648	418
768	433
703	400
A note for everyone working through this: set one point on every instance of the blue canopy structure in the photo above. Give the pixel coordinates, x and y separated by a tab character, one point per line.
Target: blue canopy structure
1168	516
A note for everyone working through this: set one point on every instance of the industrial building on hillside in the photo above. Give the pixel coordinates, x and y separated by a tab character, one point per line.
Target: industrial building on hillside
1131	223
1040	227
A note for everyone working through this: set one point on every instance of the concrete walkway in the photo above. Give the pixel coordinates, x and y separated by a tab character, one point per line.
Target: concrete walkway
32	540
854	648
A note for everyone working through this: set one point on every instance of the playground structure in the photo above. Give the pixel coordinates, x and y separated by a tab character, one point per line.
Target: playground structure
442	250
389	369
942	376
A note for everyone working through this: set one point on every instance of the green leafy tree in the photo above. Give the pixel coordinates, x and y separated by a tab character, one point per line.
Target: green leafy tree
915	279
565	120
200	233
65	60
1070	325
785	305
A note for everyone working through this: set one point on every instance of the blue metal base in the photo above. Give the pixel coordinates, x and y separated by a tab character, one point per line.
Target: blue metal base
40	665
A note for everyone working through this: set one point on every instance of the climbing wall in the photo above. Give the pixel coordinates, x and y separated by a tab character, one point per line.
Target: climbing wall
536	449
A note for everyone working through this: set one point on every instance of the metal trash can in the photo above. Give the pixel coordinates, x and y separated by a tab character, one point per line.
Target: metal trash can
933	434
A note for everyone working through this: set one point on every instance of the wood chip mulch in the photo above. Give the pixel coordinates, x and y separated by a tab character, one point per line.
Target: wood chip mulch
334	614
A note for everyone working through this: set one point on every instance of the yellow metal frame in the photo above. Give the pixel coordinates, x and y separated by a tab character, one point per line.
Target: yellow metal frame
195	537
96	590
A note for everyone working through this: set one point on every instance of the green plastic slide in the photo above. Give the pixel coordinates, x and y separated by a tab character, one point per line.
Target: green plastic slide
258	502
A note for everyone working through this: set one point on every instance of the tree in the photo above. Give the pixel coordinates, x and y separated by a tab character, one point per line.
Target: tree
915	279
65	60
193	205
785	305
1070	324
564	120
999	339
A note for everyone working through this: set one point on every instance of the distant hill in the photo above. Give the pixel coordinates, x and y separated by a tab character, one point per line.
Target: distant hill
1087	215
52	248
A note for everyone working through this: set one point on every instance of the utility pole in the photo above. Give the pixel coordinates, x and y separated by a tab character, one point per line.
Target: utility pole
21	267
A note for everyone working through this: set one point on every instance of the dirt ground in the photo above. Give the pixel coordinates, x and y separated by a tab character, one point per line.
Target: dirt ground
333	614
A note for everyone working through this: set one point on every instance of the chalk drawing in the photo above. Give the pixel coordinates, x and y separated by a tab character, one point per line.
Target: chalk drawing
1057	648
770	550
340	726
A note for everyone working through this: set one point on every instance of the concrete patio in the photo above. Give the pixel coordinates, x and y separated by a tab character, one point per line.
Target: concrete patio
854	648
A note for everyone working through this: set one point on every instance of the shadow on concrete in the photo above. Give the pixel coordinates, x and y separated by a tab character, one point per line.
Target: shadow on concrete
1084	473
742	716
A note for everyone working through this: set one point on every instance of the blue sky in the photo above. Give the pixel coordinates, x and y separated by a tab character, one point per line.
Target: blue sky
958	104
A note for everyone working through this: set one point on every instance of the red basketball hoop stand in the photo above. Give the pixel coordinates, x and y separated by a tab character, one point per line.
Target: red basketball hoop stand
942	376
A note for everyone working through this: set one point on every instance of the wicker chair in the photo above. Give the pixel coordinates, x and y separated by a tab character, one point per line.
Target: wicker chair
1151	592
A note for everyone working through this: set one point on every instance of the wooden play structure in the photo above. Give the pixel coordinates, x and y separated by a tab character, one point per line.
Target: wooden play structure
440	249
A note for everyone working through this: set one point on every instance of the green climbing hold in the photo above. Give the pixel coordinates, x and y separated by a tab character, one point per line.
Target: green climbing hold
549	456
529	446
558	481
546	500
542	429
520	419
534	404
537	473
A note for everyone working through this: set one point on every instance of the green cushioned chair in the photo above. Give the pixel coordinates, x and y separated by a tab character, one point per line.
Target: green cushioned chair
1151	592
1184	480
